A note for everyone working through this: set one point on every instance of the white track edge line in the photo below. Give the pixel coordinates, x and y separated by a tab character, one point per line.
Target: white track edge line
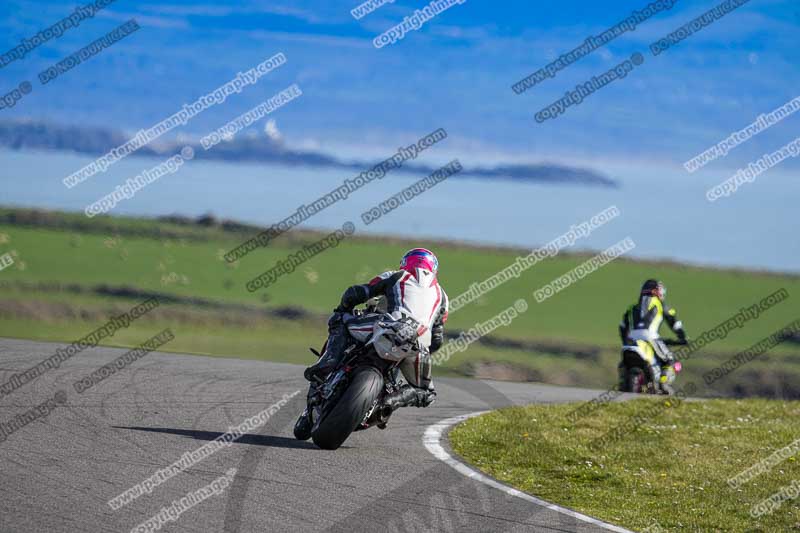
432	442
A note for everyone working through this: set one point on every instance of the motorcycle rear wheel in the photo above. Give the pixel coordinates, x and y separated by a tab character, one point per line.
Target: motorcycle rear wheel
335	426
635	380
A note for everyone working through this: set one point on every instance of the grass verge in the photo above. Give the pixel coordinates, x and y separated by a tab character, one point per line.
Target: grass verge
671	469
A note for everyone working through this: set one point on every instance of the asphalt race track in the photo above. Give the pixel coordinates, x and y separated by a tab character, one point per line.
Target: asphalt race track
58	472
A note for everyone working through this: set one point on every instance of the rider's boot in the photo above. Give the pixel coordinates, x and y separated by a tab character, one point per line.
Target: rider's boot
668	378
304	424
409	396
655	377
337	342
302	428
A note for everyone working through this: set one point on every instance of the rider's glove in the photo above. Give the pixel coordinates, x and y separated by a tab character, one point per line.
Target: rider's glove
353	296
335	320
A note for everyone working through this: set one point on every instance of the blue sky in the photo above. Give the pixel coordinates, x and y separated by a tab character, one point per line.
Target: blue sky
456	72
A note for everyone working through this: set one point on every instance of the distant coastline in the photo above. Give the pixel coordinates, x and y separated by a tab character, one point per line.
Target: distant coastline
37	135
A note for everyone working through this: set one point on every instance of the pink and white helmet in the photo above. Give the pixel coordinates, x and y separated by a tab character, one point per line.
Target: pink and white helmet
419	258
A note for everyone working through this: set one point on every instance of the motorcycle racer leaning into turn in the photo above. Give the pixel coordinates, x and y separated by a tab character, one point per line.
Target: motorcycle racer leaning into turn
413	292
642	321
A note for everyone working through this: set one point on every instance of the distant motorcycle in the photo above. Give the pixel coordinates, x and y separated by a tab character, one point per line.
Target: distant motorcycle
365	388
637	358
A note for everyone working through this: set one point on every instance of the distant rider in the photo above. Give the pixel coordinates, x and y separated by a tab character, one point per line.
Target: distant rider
642	321
413	291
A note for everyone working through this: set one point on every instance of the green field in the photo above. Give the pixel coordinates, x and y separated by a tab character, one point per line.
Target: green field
670	467
69	270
